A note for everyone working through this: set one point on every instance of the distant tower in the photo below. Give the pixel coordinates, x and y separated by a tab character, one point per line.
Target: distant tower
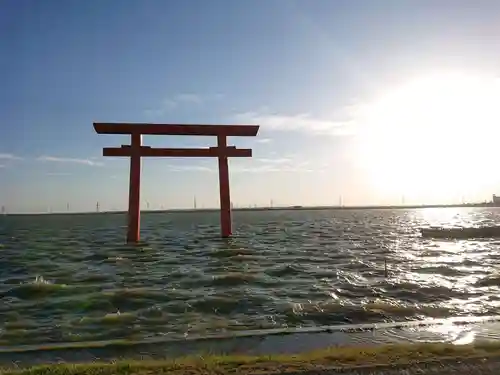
340	201
232	205
194	202
97	207
67	207
271	203
147	205
4	211
496	199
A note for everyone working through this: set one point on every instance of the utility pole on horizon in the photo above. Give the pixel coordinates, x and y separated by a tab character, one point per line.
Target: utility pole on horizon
4	211
194	202
97	207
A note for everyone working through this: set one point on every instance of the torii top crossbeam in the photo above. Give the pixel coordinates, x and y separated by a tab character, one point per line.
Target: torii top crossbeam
177	129
136	150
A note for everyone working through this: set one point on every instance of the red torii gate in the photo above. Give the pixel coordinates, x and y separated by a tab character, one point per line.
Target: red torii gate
136	150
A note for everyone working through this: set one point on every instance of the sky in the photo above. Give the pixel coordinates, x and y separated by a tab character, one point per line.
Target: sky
358	101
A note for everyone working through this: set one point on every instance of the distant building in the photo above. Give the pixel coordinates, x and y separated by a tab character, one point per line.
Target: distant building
496	200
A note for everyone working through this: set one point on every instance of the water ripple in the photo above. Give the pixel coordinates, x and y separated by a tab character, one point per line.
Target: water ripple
70	278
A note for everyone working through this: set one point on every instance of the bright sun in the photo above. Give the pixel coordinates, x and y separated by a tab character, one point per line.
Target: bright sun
433	135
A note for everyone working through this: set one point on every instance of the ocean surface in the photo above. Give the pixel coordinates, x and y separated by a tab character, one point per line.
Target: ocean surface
71	278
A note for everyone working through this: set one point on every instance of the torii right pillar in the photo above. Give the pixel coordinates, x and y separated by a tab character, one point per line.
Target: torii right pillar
225	195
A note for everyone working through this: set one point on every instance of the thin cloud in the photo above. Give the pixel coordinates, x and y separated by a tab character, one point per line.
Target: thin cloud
415	106
58	174
166	105
261	165
171	103
264	140
190	168
303	122
9	156
260	168
272	165
271	169
69	160
274	161
188	98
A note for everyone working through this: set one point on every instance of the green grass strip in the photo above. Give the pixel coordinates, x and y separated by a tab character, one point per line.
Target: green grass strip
334	357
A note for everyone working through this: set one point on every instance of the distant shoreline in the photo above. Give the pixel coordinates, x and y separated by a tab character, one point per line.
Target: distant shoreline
257	209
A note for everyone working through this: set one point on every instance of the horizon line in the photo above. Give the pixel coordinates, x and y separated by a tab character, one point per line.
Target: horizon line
267	208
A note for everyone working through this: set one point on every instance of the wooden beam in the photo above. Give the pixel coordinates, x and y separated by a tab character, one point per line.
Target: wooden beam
178	152
176	129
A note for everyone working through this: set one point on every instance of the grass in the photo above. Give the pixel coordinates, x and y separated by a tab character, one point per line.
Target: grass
258	365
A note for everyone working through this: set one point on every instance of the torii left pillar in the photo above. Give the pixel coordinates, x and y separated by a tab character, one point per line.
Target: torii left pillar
134	195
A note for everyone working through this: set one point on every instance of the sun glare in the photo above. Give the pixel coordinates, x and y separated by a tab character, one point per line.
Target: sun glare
433	136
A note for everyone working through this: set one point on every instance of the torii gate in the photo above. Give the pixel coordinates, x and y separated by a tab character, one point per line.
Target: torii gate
136	150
